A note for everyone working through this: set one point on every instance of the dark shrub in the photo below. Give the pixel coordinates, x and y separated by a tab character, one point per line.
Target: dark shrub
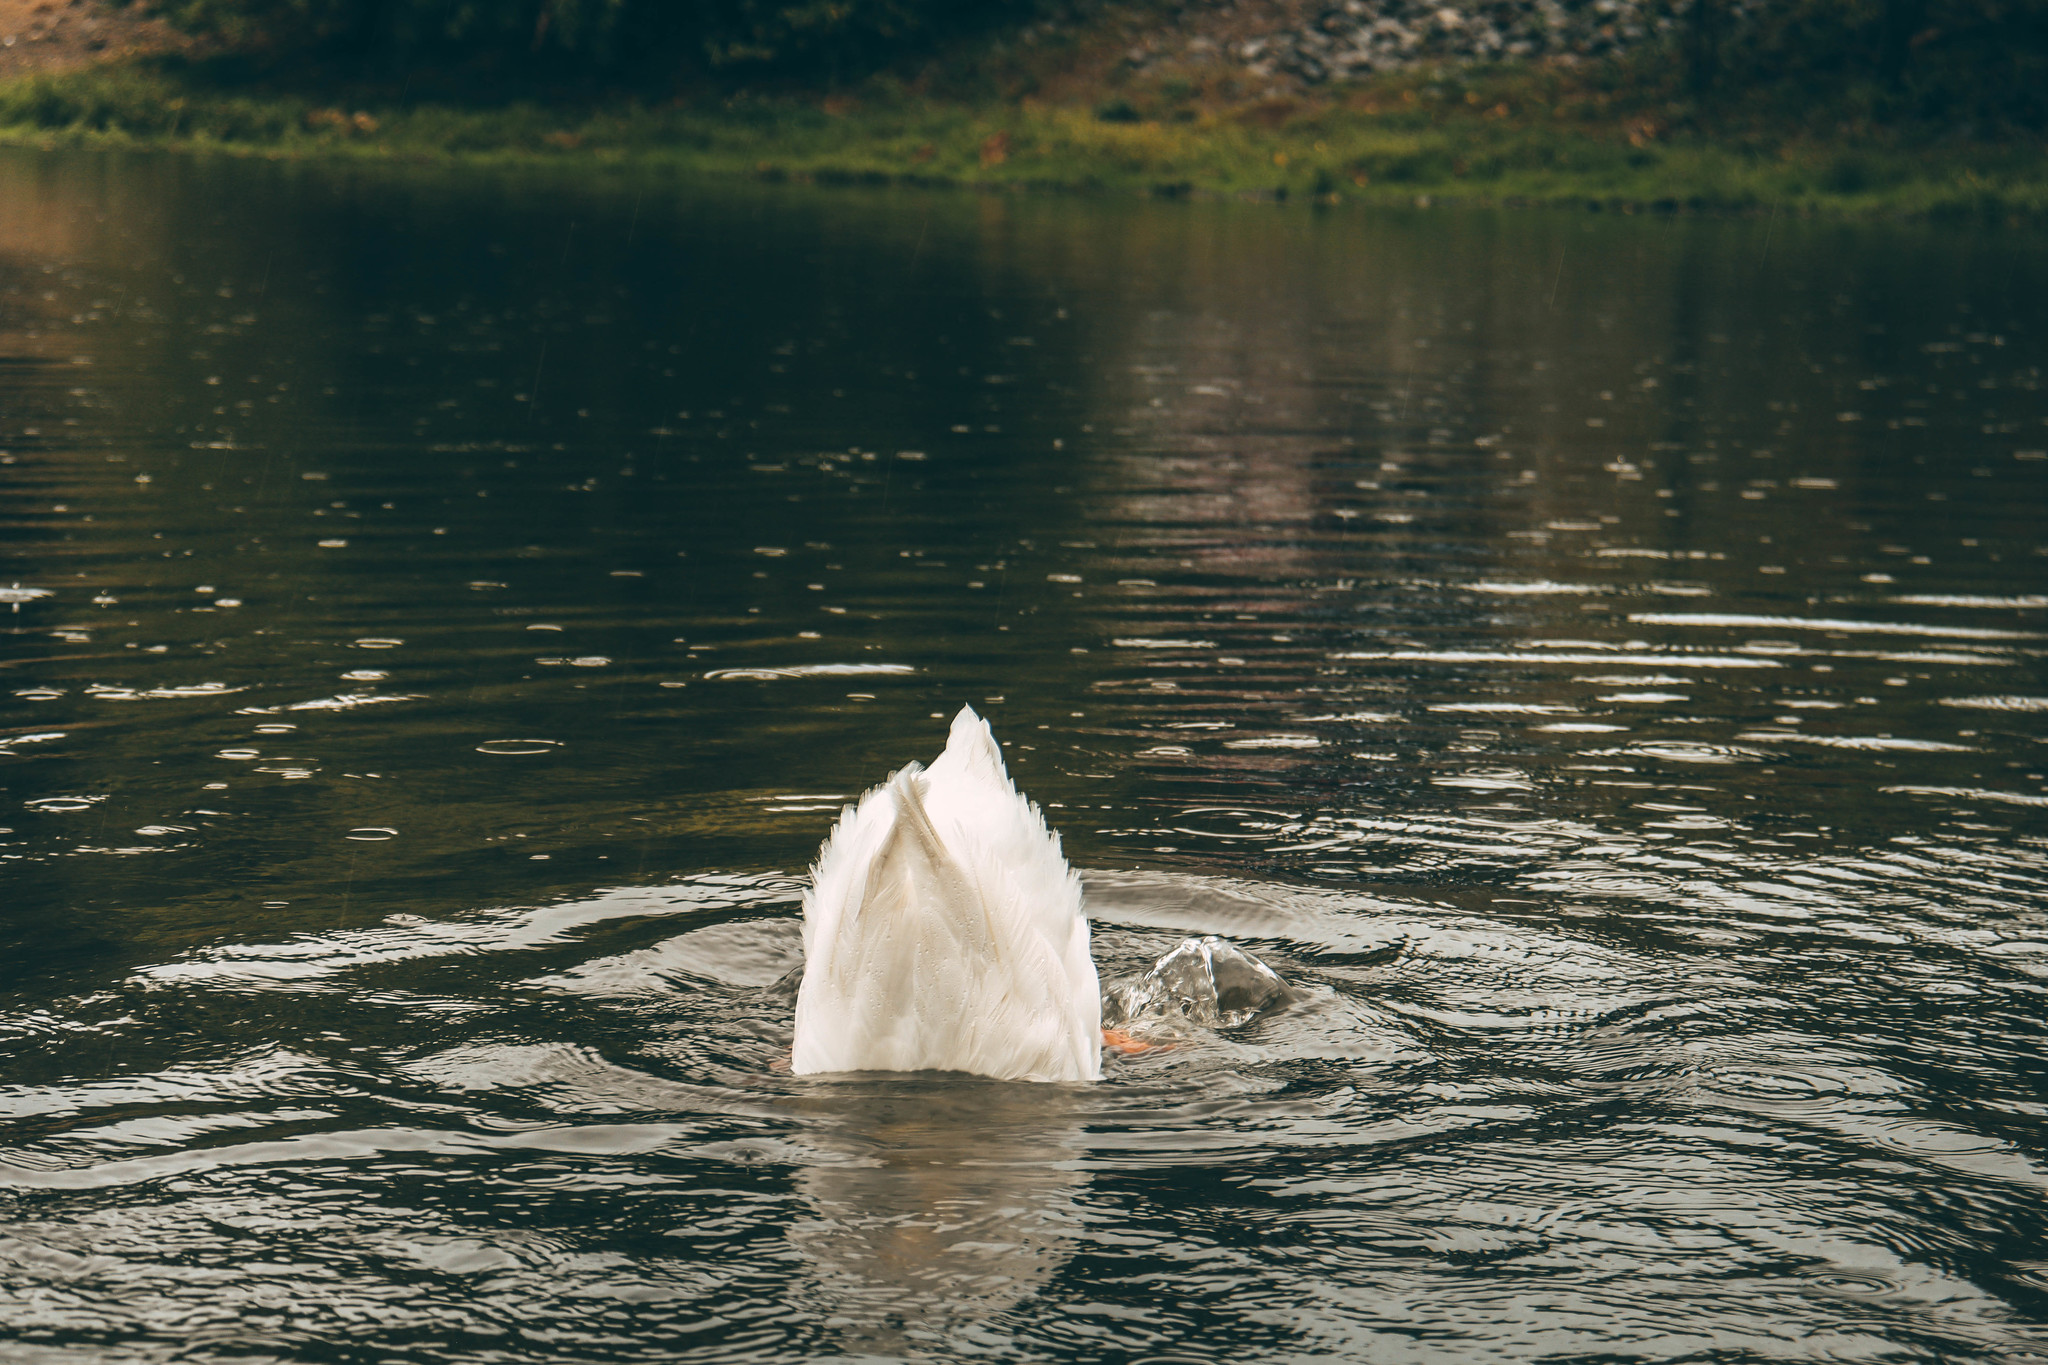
595	36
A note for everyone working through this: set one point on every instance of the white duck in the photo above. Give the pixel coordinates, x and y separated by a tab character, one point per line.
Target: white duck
943	931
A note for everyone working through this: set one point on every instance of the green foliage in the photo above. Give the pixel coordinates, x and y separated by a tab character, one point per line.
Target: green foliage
1317	154
1953	61
596	37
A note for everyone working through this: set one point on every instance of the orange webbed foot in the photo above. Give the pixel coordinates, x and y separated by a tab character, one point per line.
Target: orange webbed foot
1117	1041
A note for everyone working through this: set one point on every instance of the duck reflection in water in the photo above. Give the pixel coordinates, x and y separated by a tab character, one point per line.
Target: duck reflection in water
936	1202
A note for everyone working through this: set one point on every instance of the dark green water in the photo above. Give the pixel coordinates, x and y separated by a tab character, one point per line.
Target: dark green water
1601	660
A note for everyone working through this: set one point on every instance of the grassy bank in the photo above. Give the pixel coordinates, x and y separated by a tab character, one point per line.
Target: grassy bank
1517	137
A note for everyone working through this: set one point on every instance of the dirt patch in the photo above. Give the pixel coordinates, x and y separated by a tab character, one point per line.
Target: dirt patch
63	35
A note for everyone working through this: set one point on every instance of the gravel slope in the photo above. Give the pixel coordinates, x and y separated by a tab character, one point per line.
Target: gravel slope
62	35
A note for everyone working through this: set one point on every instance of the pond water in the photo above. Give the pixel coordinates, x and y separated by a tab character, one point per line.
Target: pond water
1601	662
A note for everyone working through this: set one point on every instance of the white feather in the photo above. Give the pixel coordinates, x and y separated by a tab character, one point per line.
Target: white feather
943	931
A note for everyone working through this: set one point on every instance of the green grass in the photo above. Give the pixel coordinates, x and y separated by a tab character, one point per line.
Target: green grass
1504	137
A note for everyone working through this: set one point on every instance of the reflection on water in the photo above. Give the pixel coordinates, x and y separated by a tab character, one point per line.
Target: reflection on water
1597	662
936	1204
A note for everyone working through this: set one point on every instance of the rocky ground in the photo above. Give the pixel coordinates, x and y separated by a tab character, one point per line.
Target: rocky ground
61	35
1283	42
1311	42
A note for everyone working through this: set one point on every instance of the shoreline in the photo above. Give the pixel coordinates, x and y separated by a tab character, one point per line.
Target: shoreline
1504	139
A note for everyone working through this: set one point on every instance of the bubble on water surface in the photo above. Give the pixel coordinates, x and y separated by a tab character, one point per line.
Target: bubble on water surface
346	701
62	804
1873	742
1540	588
1676	618
112	692
1680	751
1502	708
1976	794
2005	703
518	746
807	671
1681	657
1487	780
1937	599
